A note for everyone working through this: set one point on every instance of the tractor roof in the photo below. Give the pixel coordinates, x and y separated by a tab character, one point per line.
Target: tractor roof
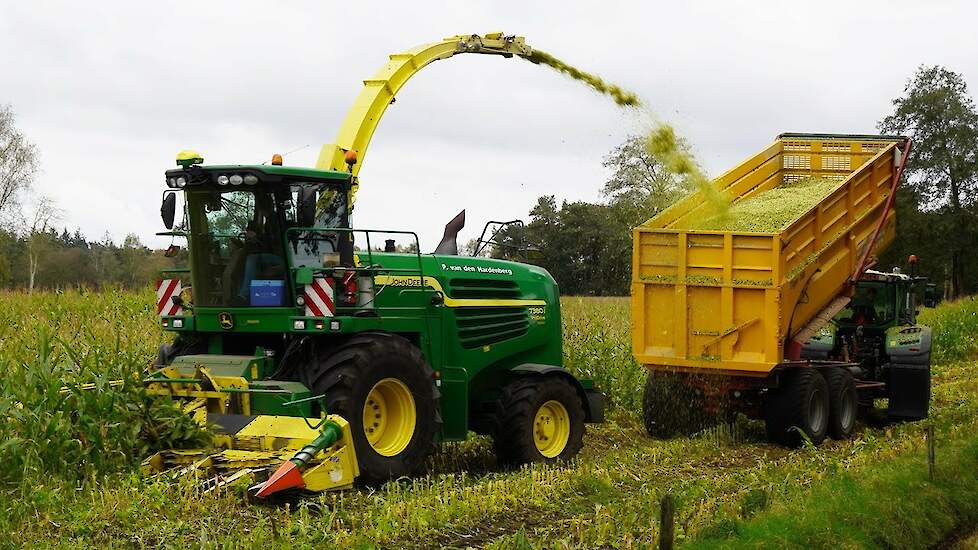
873	275
268	173
285	171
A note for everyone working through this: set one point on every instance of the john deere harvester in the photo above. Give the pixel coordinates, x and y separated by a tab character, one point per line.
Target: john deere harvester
320	354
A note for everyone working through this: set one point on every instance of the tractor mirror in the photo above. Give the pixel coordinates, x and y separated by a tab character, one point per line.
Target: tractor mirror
307	207
169	209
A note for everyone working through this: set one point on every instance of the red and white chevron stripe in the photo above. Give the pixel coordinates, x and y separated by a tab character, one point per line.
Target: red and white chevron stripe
319	298
164	293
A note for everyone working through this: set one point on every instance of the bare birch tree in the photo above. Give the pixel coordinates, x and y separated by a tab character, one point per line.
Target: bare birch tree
18	166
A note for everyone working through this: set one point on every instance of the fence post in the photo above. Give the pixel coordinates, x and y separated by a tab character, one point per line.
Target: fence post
931	454
667	518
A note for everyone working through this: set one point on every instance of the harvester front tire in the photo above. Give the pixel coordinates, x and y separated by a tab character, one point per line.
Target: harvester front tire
366	367
672	408
531	414
799	405
843	402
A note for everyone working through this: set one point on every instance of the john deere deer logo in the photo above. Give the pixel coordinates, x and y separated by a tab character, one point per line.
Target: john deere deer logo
226	320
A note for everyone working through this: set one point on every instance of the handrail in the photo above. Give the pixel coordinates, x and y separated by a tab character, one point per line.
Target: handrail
369	251
370	267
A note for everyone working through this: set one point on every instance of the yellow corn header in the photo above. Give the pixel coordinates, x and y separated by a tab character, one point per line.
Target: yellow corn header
731	302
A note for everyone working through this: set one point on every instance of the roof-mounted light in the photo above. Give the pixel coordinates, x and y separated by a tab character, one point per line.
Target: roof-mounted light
276	160
250	179
236	179
222	179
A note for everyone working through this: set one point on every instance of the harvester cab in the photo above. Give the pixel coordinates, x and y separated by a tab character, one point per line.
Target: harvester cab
319	354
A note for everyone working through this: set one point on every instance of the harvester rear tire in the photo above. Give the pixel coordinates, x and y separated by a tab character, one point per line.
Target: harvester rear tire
673	408
843	402
352	372
518	411
799	404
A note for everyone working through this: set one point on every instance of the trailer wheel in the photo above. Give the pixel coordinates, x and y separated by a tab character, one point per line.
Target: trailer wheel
538	419
671	408
843	405
799	405
381	384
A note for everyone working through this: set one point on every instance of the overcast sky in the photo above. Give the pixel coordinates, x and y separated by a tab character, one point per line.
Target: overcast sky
111	91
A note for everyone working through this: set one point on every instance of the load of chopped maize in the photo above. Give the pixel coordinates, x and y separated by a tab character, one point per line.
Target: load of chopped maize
771	210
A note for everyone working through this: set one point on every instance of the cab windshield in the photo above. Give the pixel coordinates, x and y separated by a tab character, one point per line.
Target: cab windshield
873	304
238	238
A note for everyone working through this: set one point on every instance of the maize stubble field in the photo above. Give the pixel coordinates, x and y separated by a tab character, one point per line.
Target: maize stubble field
69	462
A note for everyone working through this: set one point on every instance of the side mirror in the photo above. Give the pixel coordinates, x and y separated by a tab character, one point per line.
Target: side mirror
306	210
169	209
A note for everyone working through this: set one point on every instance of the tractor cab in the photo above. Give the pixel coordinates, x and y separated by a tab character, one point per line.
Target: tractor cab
255	236
882	303
237	223
880	300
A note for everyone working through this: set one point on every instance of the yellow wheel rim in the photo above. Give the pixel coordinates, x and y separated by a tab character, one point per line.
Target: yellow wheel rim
389	417
551	429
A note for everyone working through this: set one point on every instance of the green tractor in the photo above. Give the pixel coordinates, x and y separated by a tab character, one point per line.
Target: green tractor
320	350
888	352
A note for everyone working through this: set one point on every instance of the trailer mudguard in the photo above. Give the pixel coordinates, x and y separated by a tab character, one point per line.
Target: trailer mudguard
909	345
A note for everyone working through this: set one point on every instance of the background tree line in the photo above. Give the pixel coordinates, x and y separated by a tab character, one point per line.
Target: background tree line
34	254
55	259
586	246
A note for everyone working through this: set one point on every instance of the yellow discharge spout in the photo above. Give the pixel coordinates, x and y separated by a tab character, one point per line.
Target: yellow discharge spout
380	90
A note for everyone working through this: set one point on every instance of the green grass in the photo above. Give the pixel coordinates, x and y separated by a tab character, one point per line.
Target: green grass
731	486
892	507
955	334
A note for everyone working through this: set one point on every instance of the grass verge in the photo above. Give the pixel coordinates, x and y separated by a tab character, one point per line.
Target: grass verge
892	507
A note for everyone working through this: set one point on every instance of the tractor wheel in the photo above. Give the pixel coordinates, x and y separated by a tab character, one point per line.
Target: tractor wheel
843	403
800	404
381	384
538	419
671	408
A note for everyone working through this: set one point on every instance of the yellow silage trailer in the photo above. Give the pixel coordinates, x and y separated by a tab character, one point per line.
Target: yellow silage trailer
724	315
